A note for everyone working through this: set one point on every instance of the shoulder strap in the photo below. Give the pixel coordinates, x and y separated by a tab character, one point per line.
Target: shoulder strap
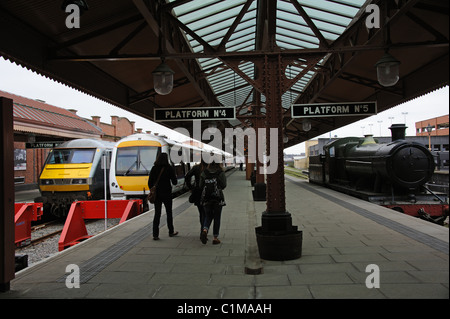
159	176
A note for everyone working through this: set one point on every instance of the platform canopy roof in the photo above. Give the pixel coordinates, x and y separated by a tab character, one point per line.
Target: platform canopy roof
325	48
36	117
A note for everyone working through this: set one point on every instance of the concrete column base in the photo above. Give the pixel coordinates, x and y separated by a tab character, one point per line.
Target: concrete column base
277	239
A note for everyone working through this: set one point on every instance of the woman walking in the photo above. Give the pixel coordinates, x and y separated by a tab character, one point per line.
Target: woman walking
161	175
195	189
212	182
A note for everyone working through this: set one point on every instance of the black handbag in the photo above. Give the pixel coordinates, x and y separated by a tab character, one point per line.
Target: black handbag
152	195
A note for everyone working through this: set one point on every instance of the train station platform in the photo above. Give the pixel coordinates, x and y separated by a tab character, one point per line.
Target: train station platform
342	236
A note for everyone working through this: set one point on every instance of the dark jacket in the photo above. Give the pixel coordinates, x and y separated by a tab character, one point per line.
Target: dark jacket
221	179
193	172
195	188
164	188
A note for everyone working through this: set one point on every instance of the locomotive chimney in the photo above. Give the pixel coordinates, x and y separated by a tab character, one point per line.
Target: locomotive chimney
398	131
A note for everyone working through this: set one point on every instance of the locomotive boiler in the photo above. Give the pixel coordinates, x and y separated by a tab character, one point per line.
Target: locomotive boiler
390	174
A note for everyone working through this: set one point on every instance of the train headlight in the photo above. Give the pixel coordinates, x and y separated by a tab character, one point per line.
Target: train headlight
47	182
79	181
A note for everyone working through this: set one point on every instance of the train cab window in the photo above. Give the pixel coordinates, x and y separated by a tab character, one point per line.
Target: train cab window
136	160
331	150
71	156
82	156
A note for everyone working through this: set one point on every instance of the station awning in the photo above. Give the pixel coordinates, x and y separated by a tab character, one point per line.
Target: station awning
326	48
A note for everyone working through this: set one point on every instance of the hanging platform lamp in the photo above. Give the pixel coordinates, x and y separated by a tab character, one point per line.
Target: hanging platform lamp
387	70
163	79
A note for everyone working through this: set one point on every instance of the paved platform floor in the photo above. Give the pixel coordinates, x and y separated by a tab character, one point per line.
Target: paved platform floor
341	237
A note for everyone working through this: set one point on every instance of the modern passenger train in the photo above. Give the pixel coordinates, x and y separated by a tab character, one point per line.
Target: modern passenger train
73	170
134	156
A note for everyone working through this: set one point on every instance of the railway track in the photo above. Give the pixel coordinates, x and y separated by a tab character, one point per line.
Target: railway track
45	237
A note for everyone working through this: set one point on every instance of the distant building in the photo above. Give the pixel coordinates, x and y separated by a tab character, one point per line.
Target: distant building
288	158
119	127
439	126
35	121
303	162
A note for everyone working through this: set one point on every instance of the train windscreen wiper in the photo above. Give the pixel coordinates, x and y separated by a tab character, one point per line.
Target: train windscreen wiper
131	167
136	163
142	164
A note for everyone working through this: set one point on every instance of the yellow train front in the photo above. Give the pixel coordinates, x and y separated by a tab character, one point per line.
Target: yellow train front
73	172
132	159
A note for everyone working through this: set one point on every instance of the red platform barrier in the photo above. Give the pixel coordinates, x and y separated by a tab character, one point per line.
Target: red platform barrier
24	214
75	231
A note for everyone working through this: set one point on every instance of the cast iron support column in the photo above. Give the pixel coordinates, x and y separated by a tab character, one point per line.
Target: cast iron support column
275	218
249	164
277	238
7	249
259	192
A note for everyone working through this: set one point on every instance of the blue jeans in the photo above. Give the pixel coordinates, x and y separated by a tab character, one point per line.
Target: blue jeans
213	212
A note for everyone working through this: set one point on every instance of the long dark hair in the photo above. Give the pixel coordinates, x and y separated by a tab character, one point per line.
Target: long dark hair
162	160
214	166
202	164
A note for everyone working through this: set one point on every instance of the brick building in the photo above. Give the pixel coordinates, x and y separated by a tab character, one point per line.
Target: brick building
439	126
119	127
36	121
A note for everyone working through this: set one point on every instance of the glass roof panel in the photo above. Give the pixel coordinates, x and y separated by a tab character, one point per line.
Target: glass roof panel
193	6
212	19
214	9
